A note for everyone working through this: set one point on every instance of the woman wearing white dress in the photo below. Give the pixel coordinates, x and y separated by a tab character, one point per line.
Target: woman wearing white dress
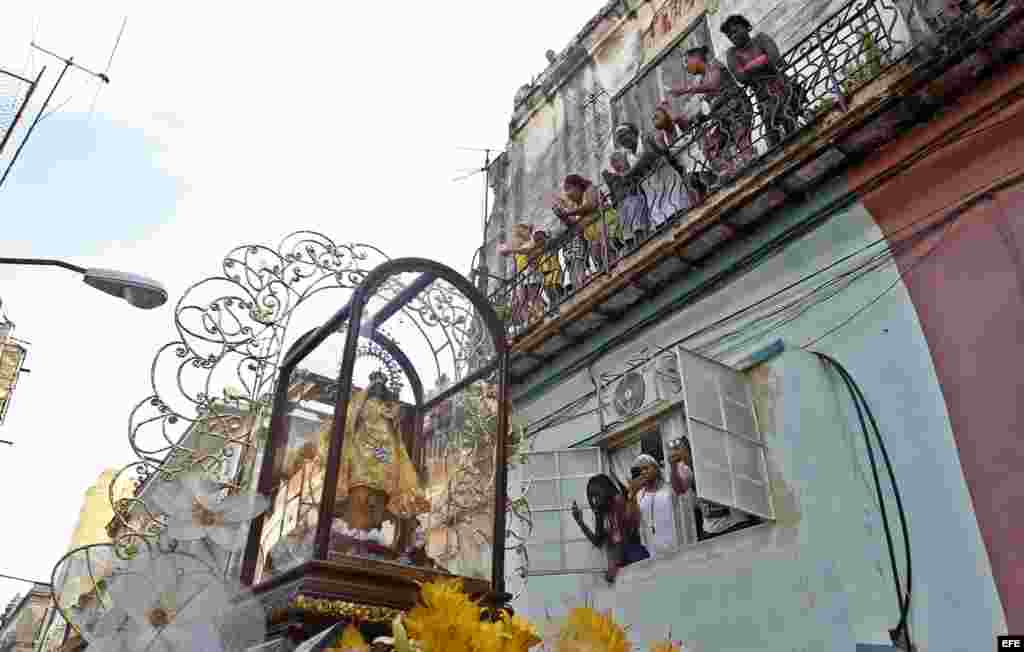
656	500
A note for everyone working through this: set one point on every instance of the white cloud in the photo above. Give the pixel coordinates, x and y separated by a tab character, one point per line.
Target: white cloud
340	117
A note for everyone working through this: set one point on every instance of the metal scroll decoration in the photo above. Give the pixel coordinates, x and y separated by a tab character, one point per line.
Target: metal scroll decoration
217	376
208	407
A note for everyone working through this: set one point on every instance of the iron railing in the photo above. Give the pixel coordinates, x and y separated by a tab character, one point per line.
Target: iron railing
708	152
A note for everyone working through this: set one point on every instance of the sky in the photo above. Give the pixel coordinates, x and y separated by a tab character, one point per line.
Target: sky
225	123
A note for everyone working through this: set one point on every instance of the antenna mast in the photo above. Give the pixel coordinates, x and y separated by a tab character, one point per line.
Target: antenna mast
68	63
487	188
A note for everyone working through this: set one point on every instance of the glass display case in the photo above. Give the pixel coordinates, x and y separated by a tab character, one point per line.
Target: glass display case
385	463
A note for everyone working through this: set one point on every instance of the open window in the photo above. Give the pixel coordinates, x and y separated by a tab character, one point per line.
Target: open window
554	480
720	422
677	399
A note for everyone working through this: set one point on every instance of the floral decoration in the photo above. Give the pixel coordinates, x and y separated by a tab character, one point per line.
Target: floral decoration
196	511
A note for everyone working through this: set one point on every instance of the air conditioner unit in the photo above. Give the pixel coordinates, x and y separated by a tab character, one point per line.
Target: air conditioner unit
643	389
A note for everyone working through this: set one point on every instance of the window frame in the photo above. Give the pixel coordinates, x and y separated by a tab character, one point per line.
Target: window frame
563	512
726	435
672	417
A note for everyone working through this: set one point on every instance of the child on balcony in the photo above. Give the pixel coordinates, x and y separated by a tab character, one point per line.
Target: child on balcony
550	269
527	303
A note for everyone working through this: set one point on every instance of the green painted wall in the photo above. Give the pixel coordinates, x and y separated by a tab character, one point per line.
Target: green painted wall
819	578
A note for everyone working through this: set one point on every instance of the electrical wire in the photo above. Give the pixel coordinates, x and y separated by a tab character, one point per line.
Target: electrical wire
1009	179
859	401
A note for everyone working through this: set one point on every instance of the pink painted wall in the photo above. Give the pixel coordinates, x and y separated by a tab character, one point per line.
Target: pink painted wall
969	296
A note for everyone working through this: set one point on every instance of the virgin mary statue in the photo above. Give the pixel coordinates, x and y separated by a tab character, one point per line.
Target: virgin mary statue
377	480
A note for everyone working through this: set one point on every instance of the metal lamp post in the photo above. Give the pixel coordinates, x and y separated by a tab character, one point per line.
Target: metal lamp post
139	291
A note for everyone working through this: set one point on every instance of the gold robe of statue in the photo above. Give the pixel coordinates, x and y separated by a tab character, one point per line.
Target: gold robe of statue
377	478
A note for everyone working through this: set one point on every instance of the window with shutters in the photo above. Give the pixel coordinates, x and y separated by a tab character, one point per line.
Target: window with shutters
676	400
728	448
554	480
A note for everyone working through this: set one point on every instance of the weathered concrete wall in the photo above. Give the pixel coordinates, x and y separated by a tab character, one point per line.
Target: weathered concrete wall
617	72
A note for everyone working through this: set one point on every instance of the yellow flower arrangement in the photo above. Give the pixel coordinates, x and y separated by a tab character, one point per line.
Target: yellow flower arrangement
586	630
446	620
519	634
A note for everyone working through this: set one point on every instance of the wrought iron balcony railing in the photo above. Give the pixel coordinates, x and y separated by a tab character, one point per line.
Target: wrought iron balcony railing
698	156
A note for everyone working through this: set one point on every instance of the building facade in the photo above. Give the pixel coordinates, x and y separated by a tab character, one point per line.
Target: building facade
23	621
827	315
12	360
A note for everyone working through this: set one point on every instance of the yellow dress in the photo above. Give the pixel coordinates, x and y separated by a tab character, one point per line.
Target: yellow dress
374	456
593	230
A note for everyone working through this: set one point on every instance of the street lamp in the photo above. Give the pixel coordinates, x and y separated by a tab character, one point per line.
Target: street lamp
139	291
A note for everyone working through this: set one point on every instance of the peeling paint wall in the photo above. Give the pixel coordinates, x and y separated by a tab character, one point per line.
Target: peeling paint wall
615	72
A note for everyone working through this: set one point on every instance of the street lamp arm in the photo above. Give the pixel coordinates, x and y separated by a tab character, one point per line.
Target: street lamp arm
43	262
139	291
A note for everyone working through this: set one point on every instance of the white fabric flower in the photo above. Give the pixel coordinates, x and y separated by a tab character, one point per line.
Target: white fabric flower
114	631
195	511
170	602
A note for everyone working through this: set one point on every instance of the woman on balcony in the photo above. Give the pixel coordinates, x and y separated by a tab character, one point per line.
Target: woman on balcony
726	141
581	209
756	62
670	129
628	200
659	176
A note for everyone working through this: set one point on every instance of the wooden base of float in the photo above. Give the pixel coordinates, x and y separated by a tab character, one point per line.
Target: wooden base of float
307	599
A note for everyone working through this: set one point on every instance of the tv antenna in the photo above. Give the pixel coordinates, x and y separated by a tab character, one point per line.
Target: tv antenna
110	61
472	172
68	64
487	187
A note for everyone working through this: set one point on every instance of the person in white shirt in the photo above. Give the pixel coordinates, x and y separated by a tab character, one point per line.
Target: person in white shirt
655	499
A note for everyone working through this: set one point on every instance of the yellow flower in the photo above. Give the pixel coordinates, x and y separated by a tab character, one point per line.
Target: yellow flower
446	620
586	630
665	646
351	641
520	635
489	638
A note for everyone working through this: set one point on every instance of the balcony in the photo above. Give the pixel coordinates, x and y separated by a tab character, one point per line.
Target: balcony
848	87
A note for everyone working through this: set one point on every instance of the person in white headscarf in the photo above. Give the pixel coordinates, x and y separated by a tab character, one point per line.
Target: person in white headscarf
657	175
655	499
